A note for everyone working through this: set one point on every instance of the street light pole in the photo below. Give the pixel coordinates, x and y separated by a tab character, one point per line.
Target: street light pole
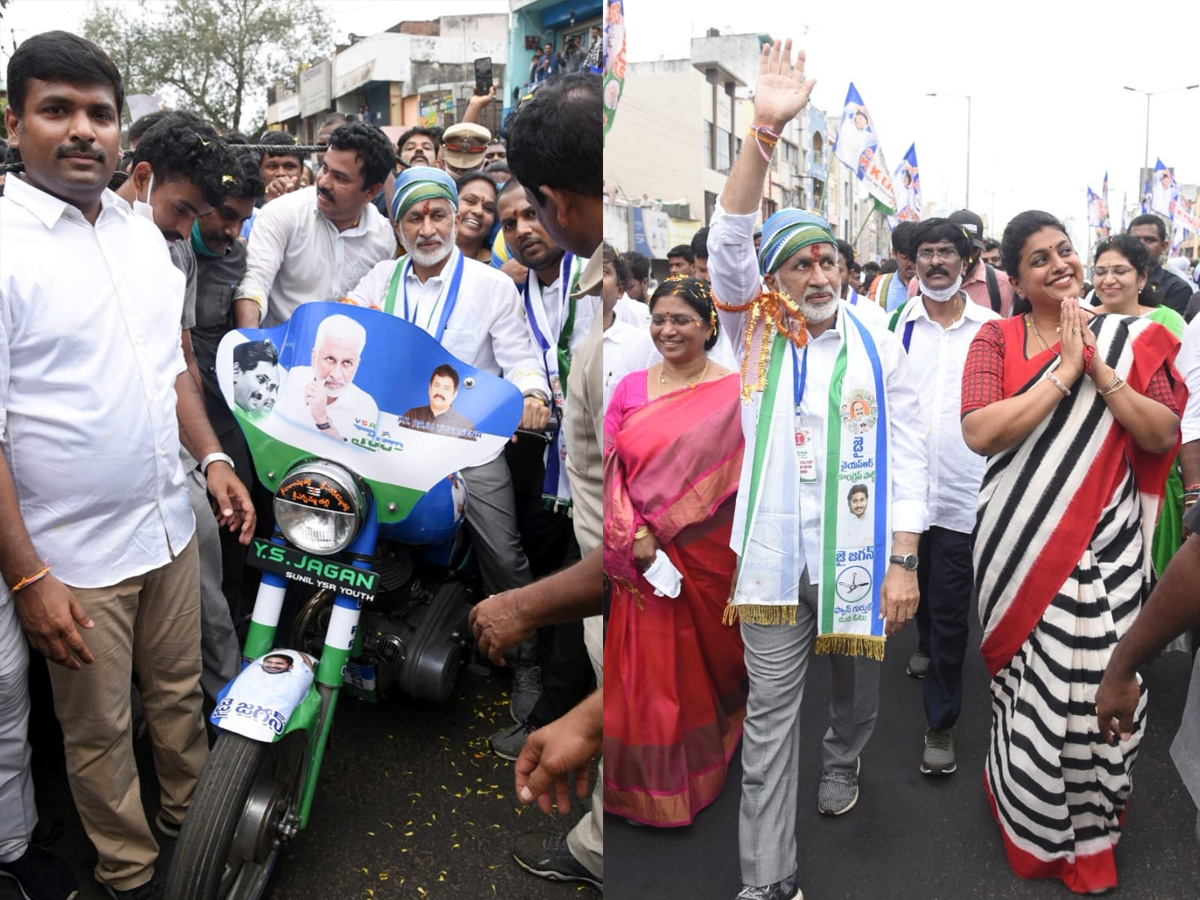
966	97
1149	94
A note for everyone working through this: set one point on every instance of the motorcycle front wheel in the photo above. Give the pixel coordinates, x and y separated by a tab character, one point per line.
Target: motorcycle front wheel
231	835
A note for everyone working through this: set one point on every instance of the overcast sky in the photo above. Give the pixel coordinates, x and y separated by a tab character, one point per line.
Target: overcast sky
25	17
1049	113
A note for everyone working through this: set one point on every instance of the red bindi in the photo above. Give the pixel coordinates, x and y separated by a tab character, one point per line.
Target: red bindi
425	209
815	252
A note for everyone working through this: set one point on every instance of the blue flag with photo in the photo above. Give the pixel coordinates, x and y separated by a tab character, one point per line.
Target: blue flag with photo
857	146
907	183
1162	190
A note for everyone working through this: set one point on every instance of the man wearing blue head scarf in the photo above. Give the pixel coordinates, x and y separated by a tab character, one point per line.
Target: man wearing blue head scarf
826	523
472	311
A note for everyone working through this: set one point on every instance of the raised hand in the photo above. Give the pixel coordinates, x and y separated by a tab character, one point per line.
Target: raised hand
781	91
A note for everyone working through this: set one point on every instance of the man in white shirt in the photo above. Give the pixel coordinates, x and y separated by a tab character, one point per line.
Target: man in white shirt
474	313
94	400
626	347
323	395
557	320
779	531
317	243
936	328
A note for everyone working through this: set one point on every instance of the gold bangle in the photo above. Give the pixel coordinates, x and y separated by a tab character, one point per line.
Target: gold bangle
1111	385
1111	388
642	532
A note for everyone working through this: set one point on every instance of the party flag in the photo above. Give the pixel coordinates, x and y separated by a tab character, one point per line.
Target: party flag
857	146
614	60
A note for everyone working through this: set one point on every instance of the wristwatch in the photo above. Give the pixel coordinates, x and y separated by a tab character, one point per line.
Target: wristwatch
908	560
325	426
214	457
539	396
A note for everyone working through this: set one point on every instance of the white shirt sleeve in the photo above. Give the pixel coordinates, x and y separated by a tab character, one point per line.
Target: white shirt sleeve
512	341
4	367
733	268
1188	364
910	449
372	287
264	256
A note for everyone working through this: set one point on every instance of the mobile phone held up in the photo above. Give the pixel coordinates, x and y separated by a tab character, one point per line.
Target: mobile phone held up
483	75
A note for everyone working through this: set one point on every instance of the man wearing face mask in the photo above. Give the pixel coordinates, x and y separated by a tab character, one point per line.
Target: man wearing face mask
983	282
182	169
937	327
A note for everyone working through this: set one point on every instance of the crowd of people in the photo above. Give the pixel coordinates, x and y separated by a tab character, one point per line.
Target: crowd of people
814	451
571	57
128	493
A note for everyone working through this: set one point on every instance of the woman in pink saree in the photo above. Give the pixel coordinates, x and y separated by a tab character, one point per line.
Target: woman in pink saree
674	676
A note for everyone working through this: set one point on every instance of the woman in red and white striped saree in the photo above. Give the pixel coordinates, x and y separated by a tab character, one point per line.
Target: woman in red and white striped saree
1079	417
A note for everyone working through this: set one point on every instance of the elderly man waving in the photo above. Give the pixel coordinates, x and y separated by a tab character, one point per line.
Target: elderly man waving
472	311
828	404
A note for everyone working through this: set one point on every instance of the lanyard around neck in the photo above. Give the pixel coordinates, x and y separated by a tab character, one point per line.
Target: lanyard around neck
446	301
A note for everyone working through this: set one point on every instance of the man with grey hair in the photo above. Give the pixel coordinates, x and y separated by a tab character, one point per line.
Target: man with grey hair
473	312
323	394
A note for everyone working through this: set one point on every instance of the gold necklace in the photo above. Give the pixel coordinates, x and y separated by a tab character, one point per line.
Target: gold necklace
662	376
1037	334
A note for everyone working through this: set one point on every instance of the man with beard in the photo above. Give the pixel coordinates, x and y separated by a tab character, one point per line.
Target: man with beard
317	243
419	147
323	394
474	313
809	353
937	327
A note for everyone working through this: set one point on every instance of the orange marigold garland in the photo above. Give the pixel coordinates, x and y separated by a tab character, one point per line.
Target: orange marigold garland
773	307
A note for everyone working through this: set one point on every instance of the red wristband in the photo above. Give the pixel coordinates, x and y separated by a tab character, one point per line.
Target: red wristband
1089	353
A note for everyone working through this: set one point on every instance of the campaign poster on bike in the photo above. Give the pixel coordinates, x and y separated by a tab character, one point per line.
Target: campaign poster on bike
368	390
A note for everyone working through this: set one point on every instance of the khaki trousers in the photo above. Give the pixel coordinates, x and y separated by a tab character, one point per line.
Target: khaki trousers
148	625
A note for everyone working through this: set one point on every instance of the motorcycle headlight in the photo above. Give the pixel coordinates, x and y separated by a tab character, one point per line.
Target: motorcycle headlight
319	506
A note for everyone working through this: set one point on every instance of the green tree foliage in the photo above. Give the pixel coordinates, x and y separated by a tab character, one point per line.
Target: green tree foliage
216	57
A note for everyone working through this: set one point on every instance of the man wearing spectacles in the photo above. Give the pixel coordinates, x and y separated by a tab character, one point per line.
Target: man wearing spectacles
984	283
937	327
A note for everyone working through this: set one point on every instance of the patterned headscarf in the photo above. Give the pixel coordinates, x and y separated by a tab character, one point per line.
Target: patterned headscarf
422	183
786	232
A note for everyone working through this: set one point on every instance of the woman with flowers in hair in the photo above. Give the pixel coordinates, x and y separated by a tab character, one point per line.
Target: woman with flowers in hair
675	683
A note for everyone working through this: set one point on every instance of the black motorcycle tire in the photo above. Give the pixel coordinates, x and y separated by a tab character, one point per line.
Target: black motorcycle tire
201	868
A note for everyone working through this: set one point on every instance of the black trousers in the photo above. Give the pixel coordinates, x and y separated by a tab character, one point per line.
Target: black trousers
946	577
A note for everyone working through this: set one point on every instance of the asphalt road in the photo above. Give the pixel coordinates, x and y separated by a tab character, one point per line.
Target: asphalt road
913	837
411	804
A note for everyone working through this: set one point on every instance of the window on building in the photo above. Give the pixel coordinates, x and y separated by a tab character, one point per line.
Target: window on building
706	137
710	205
818	149
721	138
